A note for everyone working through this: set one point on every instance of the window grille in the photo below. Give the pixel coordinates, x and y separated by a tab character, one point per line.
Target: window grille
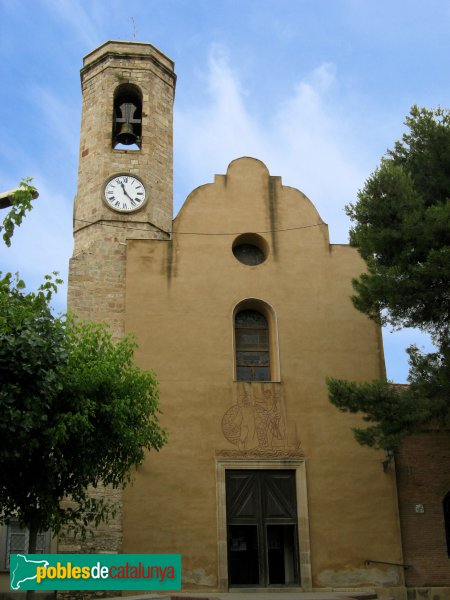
18	540
252	346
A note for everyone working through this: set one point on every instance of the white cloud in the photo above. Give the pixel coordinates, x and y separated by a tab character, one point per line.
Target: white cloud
316	153
209	137
80	20
61	121
303	140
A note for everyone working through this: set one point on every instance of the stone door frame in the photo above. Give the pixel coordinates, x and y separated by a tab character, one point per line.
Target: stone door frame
295	464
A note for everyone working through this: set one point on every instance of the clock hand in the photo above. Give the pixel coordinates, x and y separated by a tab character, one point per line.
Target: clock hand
125	191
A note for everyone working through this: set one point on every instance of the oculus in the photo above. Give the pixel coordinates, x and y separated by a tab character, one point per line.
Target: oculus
250	249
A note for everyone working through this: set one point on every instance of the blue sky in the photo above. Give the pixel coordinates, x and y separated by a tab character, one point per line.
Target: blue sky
317	89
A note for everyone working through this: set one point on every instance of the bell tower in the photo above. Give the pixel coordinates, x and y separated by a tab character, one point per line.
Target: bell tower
124	191
125	171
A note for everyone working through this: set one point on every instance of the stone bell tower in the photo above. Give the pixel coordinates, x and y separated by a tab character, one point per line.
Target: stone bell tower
124	191
125	171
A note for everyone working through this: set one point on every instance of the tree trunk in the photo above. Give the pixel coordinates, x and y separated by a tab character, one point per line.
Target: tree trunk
32	540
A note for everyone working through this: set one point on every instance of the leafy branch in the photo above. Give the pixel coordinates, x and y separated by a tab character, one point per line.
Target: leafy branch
21	205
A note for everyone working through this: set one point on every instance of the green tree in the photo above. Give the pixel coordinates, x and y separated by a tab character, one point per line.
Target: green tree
76	412
401	227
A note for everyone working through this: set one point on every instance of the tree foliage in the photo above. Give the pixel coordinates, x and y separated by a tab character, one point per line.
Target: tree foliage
76	412
401	227
21	204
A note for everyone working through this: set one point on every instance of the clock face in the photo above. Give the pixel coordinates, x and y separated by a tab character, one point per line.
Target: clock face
125	193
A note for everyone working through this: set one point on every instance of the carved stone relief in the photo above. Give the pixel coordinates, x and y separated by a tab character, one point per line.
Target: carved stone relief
256	423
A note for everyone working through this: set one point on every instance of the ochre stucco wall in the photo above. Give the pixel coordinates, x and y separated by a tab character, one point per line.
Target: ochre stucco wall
180	297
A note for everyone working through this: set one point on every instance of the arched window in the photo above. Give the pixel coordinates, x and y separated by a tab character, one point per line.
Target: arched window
127	125
446	507
252	346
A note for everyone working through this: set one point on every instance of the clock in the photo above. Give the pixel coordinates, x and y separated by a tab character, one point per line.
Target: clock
124	193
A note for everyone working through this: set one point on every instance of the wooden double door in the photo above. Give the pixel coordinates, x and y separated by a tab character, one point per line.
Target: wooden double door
262	528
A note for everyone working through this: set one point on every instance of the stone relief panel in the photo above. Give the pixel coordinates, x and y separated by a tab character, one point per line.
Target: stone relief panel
256	425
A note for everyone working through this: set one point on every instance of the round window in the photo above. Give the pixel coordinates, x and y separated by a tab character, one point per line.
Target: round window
250	249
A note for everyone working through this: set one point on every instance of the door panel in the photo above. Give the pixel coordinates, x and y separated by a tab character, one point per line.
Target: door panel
281	552
262	528
243	554
242	497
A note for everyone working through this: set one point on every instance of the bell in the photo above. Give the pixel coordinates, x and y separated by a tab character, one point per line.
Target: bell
126	135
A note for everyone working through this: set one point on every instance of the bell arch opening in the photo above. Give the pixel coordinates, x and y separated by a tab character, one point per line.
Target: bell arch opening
127	118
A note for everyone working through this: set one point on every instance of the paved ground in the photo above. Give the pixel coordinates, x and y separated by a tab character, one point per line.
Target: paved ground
243	595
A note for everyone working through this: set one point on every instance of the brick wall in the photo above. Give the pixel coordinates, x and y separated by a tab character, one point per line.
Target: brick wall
423	475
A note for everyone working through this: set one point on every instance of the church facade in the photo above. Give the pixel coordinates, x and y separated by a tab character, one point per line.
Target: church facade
241	306
243	314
